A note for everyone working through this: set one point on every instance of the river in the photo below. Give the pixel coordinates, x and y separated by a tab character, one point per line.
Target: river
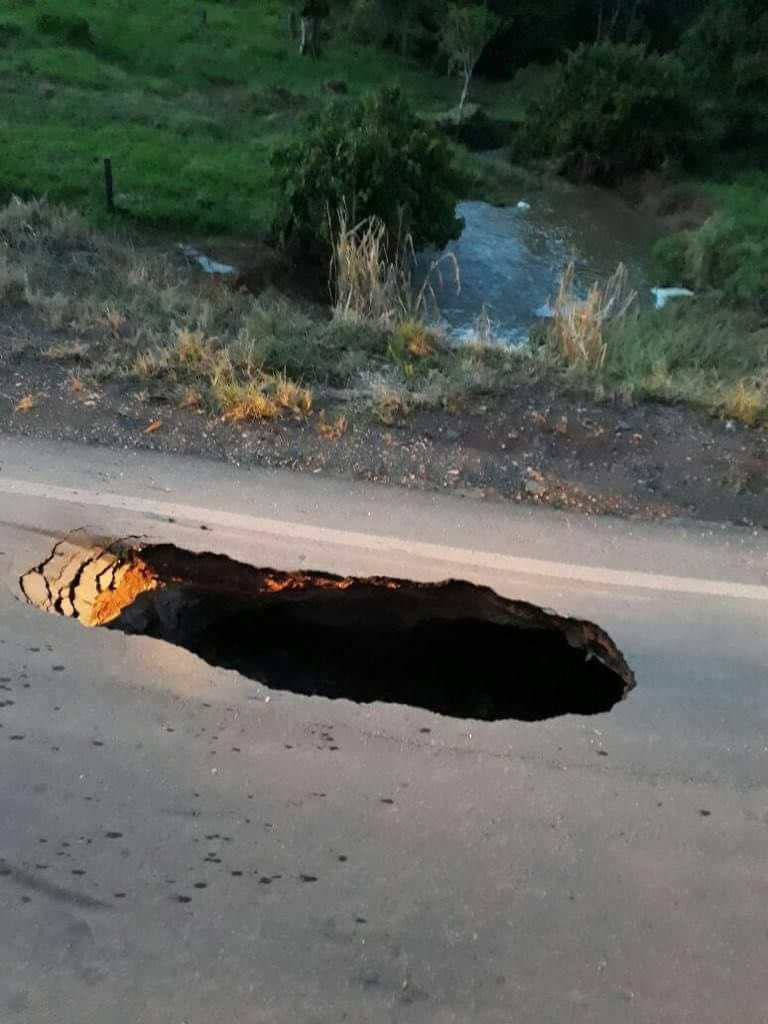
510	258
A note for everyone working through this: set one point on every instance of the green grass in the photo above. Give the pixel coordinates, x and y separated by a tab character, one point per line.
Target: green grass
189	115
701	353
729	253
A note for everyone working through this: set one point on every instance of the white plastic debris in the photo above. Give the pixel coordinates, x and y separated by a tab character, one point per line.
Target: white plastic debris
204	262
665	295
522	205
212	267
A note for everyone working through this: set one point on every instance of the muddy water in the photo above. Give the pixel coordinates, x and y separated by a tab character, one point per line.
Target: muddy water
511	257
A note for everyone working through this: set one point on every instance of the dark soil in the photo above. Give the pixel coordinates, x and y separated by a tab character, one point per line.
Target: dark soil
534	443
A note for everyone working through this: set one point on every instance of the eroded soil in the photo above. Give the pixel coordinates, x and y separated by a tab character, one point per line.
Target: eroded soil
535	442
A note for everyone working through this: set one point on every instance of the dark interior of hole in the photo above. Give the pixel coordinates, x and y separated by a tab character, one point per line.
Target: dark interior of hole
454	649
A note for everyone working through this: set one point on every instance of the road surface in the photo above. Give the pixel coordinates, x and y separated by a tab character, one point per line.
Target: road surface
180	845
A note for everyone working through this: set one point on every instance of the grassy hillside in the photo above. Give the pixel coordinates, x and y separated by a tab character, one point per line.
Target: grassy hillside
189	112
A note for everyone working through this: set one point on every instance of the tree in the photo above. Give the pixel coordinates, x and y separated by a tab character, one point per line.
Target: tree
378	157
612	109
725	52
404	25
465	34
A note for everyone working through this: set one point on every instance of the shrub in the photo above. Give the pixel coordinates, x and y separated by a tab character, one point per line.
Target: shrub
70	29
613	108
724	50
729	253
669	260
373	279
376	155
577	336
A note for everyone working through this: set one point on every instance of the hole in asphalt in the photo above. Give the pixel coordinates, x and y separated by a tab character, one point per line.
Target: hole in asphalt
452	648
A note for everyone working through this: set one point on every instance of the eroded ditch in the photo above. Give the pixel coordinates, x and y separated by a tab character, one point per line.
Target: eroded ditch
453	648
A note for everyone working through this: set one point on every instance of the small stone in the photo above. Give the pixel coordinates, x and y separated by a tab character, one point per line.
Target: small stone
535	488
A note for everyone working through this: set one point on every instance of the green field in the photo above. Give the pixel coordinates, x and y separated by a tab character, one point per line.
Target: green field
189	113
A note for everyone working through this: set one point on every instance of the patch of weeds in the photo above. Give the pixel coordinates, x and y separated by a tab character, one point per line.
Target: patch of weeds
76	385
14	283
417	339
389	406
115	319
53	309
66	352
190	399
332	429
26	404
290	396
246	402
747	402
151	364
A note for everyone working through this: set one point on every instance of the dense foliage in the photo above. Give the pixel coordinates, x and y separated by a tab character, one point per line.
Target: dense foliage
725	53
611	109
729	253
377	157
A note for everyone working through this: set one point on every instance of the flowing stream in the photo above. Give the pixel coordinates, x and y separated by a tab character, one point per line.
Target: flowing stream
511	257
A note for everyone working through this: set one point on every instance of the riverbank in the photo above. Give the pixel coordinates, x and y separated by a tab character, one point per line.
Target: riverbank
109	343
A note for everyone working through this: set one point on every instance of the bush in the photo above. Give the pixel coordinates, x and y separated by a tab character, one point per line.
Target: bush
70	29
612	109
724	51
669	260
729	253
378	157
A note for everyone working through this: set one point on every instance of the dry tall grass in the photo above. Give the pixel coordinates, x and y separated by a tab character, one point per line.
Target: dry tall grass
578	328
373	274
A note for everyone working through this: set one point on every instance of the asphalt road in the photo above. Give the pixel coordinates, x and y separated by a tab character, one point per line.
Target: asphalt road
179	844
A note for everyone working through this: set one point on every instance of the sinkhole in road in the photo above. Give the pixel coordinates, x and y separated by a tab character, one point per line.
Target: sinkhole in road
453	648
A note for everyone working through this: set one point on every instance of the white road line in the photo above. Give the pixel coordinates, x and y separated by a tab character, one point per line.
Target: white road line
384	544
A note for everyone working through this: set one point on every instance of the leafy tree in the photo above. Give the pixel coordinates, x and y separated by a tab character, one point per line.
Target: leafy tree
612	108
725	51
376	155
401	24
465	33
